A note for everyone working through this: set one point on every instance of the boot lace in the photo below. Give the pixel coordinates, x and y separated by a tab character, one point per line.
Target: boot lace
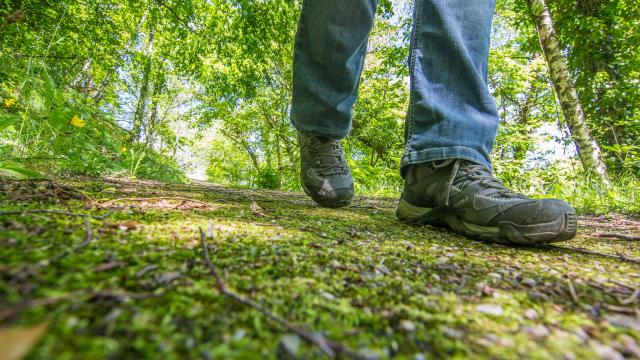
465	173
331	150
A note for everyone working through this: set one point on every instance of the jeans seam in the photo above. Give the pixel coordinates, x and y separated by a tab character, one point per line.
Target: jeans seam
417	15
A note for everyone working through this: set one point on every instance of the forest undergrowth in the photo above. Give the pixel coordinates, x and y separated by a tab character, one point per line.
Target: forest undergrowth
104	268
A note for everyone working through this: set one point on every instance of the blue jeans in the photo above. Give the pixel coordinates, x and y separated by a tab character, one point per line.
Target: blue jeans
451	112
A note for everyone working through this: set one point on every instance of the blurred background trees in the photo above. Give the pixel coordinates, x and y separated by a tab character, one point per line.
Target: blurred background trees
163	88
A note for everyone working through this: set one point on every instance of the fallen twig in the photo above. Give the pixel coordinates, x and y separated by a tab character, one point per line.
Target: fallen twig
628	237
592	252
631	299
158	198
328	347
620	309
572	290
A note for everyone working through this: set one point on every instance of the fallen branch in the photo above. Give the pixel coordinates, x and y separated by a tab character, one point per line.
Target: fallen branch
620	236
328	347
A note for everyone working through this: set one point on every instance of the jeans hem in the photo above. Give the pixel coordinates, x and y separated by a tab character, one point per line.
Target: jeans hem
456	152
315	131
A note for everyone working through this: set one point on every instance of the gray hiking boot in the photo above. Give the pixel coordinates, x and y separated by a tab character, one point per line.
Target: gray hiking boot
465	197
324	172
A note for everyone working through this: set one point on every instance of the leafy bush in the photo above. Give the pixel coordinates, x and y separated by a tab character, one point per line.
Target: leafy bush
47	129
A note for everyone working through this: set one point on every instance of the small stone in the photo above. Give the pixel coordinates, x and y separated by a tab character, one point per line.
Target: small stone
495	276
538	296
434	291
631	346
382	269
289	346
581	334
531	314
239	335
607	352
529	282
452	333
504	272
490	309
536	332
407	325
327	295
624	321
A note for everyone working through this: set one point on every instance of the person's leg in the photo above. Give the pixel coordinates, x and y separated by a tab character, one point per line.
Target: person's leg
450	130
329	54
330	48
452	113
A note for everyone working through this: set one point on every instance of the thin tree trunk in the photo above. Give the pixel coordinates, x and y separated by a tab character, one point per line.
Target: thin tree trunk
588	149
141	108
280	166
158	87
175	147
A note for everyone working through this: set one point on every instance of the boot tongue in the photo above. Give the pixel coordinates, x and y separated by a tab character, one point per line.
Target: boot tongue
320	140
328	160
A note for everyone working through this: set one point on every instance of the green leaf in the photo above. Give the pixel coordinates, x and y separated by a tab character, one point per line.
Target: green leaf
6	121
49	87
60	118
17	171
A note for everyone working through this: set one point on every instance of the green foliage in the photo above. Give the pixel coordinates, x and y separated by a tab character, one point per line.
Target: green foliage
58	132
146	81
603	50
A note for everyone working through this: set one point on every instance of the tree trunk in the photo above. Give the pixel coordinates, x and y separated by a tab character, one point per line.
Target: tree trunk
587	147
141	108
158	87
280	166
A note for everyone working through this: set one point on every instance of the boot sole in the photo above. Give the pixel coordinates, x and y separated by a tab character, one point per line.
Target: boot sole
561	229
328	204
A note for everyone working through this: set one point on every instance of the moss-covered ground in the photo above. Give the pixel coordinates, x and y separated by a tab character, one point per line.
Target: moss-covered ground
131	282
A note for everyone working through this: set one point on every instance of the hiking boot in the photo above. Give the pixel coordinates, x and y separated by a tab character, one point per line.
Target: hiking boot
466	197
324	172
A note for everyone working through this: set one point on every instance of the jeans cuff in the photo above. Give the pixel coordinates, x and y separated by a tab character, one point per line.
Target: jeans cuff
322	132
456	152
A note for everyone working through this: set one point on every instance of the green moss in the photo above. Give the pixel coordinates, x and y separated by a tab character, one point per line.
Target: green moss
355	274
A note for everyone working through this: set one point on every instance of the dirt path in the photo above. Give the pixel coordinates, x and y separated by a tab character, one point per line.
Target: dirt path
117	270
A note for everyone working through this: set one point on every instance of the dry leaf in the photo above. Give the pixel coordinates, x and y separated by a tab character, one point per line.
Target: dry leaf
256	209
17	343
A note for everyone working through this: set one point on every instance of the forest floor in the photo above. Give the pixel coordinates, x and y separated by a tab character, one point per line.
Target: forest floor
117	269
